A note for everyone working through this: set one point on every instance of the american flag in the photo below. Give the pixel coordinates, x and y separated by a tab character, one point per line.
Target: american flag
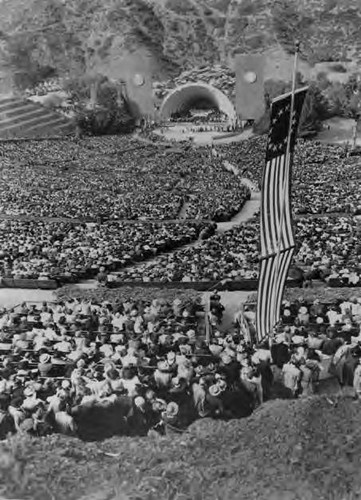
276	234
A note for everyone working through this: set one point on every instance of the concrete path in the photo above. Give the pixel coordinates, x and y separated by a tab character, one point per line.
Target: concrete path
232	302
10	297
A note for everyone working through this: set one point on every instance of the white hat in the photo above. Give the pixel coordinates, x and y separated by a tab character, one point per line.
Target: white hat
139	402
298	340
163	366
280	338
44	358
172	409
215	390
29	391
171	356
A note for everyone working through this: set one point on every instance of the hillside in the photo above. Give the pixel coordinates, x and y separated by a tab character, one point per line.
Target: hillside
77	36
306	449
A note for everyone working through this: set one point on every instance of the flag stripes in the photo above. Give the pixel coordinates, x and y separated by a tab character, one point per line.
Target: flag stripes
276	232
270	288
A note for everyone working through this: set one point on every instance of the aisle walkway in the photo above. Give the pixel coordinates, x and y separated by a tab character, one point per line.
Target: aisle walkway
250	209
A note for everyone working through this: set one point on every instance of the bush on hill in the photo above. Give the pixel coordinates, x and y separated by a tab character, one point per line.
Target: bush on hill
110	114
344	99
338	68
104	121
315	108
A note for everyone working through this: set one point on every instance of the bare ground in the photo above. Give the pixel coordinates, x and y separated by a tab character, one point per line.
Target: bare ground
287	450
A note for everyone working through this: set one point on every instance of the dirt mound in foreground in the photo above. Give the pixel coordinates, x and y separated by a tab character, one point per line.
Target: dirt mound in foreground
306	449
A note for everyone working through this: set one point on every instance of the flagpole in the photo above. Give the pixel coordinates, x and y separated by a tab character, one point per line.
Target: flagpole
287	162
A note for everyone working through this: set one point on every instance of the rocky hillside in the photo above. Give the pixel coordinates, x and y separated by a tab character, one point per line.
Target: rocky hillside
80	36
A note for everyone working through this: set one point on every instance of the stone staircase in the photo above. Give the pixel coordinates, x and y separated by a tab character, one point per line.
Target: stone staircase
22	118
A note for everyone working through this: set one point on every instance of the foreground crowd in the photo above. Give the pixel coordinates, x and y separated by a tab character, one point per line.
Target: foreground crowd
144	363
319	340
90	369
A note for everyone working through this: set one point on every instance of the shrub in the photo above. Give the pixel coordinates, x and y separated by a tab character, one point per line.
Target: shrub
110	115
103	121
315	108
338	68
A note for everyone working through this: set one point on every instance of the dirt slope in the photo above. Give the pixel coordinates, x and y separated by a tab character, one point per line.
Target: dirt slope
305	449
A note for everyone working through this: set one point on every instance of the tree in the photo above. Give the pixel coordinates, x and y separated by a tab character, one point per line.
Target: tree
353	94
315	108
110	115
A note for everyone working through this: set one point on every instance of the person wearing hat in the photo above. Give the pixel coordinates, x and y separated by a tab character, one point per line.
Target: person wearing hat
138	418
163	374
317	309
280	351
313	341
45	365
171	417
31	402
303	316
291	375
130	381
229	366
6	422
333	316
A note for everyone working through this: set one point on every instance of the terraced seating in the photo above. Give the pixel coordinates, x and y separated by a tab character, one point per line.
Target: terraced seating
21	118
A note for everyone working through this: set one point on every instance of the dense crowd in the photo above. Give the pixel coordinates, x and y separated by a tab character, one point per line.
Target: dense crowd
68	252
43	88
229	255
312	342
200	116
317	340
114	178
78	365
327	248
120	178
324	178
143	360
